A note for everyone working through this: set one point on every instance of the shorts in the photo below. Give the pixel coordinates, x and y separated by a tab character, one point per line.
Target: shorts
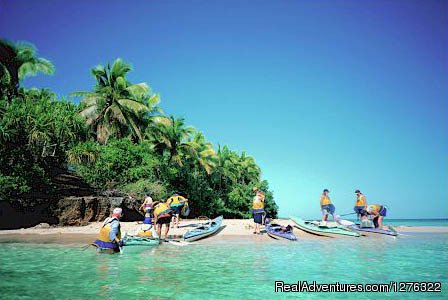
147	220
164	220
383	211
360	210
258	218
328	209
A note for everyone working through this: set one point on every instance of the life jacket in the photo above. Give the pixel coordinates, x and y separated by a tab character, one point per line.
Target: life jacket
257	204
374	208
106	228
325	200
360	201
162	210
147	205
176	201
145	233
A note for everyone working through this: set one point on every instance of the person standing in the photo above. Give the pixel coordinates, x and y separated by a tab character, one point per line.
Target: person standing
326	206
258	209
360	204
110	232
176	202
147	209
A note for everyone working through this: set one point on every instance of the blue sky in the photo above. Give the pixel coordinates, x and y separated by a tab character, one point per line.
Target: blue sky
341	95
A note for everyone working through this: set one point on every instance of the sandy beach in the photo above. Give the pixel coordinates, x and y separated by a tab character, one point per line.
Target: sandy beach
232	229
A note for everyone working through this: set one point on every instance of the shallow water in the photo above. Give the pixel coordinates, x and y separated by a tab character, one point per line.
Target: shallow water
221	269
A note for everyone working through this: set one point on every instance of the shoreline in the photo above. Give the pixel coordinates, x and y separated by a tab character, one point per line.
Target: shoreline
232	229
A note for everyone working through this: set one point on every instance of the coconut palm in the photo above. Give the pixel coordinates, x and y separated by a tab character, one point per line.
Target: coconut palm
18	61
117	108
171	137
202	152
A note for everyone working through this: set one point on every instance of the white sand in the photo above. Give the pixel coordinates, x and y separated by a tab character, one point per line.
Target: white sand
232	229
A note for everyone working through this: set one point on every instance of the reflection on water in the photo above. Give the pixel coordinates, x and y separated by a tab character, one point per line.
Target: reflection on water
220	269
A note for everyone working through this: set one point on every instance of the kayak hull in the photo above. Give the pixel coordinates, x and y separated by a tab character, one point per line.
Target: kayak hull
312	228
203	230
273	231
133	240
373	231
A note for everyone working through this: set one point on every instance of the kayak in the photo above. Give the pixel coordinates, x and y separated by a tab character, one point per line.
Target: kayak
329	229
373	231
134	240
275	231
203	230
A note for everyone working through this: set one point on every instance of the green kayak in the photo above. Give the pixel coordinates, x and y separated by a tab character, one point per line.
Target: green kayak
329	229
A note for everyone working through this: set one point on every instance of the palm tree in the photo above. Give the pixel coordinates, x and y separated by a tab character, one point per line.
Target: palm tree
202	152
117	108
18	61
170	136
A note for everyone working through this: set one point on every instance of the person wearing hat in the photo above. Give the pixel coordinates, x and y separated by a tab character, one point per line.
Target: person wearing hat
110	232
325	205
378	212
147	209
258	209
360	204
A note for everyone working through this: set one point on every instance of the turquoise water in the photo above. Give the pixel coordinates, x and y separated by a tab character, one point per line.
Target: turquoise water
222	269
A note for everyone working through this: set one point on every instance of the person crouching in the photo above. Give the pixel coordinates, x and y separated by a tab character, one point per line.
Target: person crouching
162	215
110	232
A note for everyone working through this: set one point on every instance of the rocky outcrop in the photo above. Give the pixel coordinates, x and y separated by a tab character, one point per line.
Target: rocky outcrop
72	211
70	201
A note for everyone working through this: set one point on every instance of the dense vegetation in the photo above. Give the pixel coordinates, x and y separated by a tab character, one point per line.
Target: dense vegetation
116	139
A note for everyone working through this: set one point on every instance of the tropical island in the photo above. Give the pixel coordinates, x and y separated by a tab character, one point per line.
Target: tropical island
68	161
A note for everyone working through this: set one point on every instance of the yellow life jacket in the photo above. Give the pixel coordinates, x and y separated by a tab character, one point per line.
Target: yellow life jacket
146	233
162	210
374	208
325	200
106	228
360	201
176	200
257	203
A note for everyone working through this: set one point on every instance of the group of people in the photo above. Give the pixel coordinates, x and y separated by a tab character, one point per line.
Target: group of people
364	212
157	213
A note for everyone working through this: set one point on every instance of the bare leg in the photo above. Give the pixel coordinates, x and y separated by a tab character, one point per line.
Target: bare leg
167	229
159	230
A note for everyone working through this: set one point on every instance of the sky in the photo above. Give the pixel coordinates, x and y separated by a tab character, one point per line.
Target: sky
330	94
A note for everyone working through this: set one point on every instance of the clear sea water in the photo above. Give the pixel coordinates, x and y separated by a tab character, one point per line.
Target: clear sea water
223	269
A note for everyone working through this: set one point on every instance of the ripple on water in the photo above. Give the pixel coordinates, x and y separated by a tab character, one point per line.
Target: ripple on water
221	269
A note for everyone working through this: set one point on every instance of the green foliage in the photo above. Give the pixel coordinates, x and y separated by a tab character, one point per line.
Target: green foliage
141	187
115	139
116	108
118	163
36	130
18	61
